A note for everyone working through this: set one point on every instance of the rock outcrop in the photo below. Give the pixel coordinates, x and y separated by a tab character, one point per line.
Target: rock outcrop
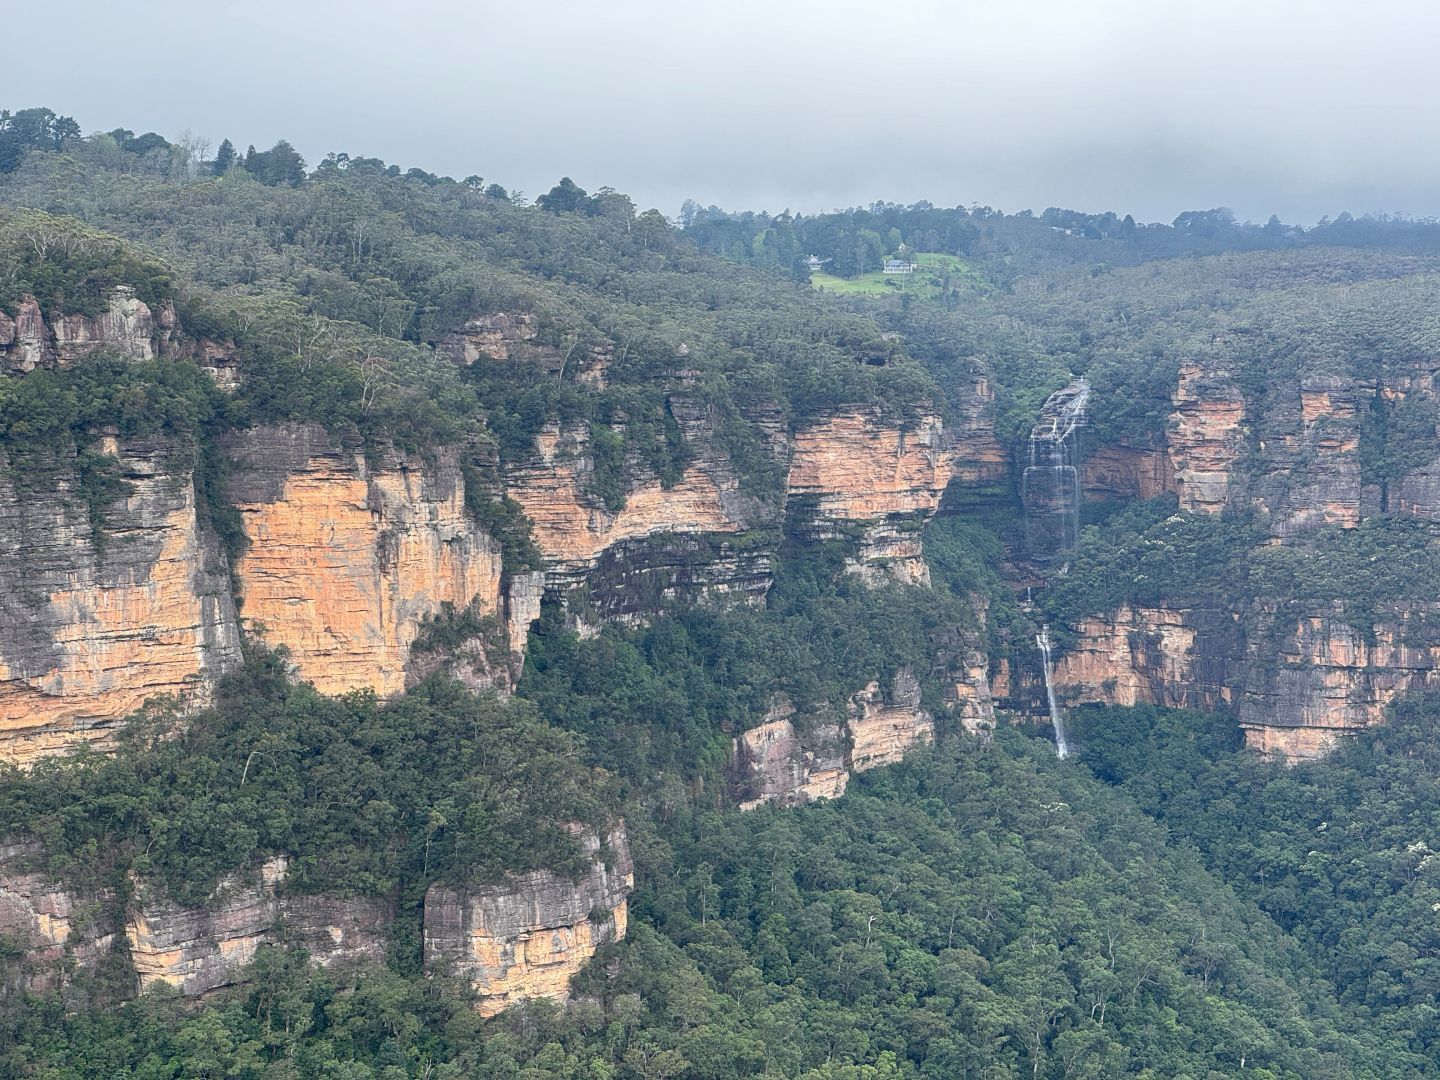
883	478
348	556
1127	470
791	759
1295	683
98	613
776	763
526	938
28	341
1205	437
197	950
675	542
54	930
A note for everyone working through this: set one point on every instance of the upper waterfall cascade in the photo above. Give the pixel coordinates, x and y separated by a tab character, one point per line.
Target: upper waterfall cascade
1050	485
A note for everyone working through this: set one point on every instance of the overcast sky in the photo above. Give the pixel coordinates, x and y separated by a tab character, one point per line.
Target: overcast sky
1142	106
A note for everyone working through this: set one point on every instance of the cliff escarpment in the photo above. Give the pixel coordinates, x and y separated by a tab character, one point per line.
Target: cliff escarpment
521	938
99	612
349	554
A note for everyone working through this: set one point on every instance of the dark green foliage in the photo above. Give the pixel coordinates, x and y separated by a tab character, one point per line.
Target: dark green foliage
69	268
440	785
50	422
280	165
32	129
989	914
1337	852
1148	554
224	159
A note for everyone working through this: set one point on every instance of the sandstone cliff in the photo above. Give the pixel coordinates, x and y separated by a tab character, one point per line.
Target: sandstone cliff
197	950
791	759
1205	437
92	624
28	341
347	556
883	477
527	937
1295	682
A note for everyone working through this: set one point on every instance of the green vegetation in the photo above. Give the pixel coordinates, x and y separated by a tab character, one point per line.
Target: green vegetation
348	787
1166	906
1337	852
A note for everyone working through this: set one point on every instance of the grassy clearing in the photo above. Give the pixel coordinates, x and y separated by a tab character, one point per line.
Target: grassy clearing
934	276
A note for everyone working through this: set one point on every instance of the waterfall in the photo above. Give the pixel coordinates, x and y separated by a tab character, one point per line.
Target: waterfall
1050	484
1057	718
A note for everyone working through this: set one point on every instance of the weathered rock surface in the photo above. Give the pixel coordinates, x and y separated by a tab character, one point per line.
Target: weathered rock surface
28	341
527	937
882	731
1296	684
1205	437
348	557
55	930
517	337
1182	659
777	764
1127	471
791	759
884	477
93	624
197	950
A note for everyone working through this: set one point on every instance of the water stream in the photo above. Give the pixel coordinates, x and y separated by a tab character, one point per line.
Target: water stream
1057	718
1050	484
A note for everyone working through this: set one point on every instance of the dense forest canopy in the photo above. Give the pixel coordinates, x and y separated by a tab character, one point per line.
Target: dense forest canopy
1167	905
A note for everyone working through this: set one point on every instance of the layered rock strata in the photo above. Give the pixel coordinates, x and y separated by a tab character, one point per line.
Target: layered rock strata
197	950
100	613
348	556
882	478
790	759
1205	437
1296	683
527	937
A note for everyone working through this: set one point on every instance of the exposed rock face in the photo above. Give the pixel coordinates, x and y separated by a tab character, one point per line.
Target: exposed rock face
1205	437
789	759
54	929
517	337
776	764
880	731
1311	466
197	950
527	937
1127	471
1296	683
861	468
1180	659
93	625
1330	679
27	341
676	543
347	558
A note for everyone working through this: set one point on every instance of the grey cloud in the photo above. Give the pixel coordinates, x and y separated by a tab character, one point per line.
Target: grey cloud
1300	108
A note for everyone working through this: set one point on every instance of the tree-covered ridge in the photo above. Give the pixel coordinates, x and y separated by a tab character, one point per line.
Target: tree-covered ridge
355	275
993	914
1338	852
364	797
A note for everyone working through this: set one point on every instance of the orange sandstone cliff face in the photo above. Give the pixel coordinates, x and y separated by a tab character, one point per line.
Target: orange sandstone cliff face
527	937
1296	683
93	624
886	477
1205	438
347	558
